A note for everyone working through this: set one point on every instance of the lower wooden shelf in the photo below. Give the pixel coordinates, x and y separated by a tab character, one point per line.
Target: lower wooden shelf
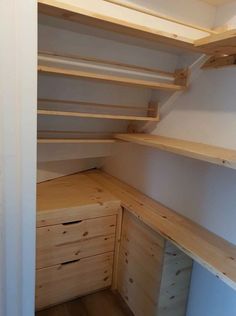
216	155
75	141
98	116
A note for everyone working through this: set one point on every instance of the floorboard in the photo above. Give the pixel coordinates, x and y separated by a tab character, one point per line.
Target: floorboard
103	303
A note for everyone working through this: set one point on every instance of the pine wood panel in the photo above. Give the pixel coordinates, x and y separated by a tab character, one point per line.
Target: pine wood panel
73	198
217	155
140	266
98	116
64	282
176	276
74	13
75	141
111	78
222	43
60	243
208	249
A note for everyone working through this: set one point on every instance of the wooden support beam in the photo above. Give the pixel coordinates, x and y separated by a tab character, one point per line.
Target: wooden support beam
220	61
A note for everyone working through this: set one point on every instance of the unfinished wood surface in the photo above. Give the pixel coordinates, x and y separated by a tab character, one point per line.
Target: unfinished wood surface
61	283
150	12
110	78
94	60
60	200
75	141
217	155
115	274
44	101
211	251
220	61
102	303
222	43
76	240
140	266
97	116
74	13
175	282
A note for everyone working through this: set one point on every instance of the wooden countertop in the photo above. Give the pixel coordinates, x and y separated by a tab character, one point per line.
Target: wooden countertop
96	187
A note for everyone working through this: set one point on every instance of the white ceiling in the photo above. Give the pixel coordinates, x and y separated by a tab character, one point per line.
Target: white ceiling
218	2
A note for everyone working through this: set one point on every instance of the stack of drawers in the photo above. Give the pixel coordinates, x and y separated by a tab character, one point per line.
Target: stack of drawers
75	245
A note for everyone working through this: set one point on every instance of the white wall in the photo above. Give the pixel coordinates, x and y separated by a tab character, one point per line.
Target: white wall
203	192
18	81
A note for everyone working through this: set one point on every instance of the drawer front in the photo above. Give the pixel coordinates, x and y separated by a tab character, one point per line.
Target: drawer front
58	216
60	243
49	256
64	282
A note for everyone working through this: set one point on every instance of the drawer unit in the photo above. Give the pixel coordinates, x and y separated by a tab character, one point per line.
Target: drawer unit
76	238
71	241
66	281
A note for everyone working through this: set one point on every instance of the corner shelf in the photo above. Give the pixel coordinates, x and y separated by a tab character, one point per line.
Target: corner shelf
216	155
222	43
209	250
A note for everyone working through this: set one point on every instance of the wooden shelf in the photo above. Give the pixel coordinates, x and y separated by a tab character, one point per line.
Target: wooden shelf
209	42
217	155
75	141
211	251
223	43
78	14
98	116
110	78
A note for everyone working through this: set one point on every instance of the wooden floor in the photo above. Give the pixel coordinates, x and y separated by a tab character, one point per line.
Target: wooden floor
103	303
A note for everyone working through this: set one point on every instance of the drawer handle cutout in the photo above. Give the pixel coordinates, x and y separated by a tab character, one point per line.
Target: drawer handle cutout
71	223
70	262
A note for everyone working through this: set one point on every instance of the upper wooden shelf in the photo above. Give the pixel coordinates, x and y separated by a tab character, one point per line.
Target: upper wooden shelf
222	43
217	155
208	249
208	41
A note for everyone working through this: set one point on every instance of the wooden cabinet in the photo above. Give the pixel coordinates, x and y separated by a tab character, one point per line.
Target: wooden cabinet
153	275
76	236
87	242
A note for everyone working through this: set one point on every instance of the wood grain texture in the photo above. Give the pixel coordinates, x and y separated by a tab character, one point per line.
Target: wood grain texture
74	13
61	243
75	141
73	198
216	155
102	303
175	282
61	283
140	266
222	43
110	78
211	251
98	116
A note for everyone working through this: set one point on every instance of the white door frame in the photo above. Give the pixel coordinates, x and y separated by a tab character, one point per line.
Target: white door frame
18	117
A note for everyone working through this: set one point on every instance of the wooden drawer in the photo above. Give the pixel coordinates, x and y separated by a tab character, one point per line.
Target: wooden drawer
70	241
66	281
